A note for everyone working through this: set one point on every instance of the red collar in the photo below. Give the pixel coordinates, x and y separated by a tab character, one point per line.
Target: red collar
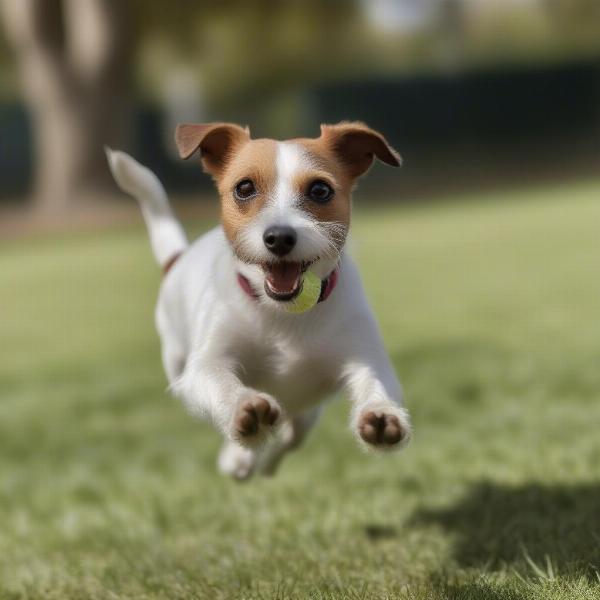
327	285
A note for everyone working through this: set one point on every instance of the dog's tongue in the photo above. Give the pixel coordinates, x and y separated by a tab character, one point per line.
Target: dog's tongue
284	277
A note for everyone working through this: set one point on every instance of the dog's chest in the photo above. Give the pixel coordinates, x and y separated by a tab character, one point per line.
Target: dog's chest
298	378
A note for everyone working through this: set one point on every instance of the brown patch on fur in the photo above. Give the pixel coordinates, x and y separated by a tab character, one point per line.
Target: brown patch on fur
342	153
337	210
217	143
356	145
328	168
256	160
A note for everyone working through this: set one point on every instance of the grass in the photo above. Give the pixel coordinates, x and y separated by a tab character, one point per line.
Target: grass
490	311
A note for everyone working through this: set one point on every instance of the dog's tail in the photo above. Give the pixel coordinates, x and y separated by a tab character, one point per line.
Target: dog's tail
167	238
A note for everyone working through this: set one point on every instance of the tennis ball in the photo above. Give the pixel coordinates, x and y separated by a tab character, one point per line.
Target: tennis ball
308	296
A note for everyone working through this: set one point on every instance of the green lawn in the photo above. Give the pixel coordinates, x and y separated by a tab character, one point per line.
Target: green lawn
490	308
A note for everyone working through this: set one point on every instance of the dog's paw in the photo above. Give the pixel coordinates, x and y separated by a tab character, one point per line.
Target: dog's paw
384	427
235	461
257	414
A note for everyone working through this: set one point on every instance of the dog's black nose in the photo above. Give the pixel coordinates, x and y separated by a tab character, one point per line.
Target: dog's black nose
280	239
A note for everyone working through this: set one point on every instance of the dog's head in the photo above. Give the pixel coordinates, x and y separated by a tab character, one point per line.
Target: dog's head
285	205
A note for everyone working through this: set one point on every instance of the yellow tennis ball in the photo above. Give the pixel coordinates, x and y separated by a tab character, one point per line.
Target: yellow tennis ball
308	296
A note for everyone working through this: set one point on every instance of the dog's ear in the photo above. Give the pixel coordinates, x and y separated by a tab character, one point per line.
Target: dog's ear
215	141
356	145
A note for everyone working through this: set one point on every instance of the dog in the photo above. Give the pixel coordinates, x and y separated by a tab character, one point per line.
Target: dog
231	349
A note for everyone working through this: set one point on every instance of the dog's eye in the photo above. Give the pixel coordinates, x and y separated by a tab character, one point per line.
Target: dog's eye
319	191
244	190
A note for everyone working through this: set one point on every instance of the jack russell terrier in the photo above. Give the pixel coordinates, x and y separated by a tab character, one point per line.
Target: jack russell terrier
238	346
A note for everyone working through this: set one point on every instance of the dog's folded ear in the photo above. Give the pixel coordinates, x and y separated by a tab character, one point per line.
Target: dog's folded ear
356	145
215	141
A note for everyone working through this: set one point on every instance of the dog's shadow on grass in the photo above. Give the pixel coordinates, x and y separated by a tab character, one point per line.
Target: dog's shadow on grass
536	527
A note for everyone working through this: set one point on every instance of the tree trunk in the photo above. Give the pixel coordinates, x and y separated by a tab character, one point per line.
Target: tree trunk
73	59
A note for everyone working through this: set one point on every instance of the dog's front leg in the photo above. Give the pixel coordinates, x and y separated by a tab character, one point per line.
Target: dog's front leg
378	418
211	389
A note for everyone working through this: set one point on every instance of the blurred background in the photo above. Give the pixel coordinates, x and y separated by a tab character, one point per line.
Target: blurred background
472	92
480	257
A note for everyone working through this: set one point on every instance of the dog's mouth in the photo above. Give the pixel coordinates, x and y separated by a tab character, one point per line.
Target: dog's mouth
283	280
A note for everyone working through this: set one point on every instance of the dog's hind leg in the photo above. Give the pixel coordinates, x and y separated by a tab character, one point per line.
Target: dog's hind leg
291	435
236	461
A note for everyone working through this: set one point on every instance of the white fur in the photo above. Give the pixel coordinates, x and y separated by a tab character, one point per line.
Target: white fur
167	237
220	347
291	160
